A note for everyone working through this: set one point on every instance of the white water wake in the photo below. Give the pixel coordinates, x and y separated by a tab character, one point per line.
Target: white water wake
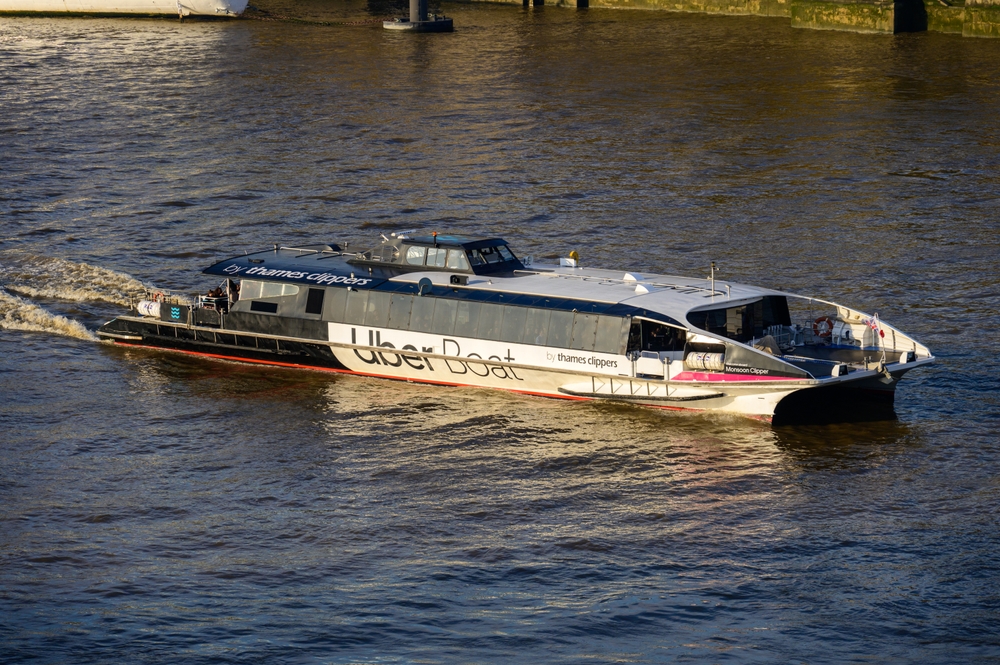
23	277
19	314
47	277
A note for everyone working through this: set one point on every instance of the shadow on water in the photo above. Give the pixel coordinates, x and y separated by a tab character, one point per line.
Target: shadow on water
816	444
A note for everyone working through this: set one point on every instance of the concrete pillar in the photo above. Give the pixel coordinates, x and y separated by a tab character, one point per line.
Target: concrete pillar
418	10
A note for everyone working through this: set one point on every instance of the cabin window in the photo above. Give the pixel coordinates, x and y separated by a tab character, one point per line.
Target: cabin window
474	257
390	254
609	334
491	255
261	306
399	311
251	289
415	255
422	315
536	325
505	253
490	317
314	301
744	322
377	311
444	316
357	301
457	260
560	329
335	304
436	256
274	290
467	319
584	332
653	336
514	319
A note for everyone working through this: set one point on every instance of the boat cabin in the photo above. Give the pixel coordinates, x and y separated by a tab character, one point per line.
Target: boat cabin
441	252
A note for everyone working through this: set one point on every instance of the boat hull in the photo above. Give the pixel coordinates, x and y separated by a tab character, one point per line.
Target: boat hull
370	355
219	8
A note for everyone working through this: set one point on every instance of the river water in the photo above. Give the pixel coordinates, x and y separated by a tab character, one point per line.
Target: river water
156	508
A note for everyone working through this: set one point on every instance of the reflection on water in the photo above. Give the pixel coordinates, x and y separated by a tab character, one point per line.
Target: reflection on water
158	504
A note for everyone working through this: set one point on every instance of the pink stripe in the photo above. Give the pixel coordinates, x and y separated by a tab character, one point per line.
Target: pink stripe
706	376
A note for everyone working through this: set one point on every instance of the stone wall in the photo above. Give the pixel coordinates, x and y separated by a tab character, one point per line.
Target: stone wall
970	18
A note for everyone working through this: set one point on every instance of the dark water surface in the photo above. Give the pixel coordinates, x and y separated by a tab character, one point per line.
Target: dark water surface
161	509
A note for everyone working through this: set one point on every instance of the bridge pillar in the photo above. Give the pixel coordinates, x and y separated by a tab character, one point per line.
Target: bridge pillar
418	10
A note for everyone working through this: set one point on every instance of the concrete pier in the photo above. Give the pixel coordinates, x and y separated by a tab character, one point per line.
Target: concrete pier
970	18
420	21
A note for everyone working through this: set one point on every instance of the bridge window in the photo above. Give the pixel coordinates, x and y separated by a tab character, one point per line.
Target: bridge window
491	255
415	255
436	256
457	260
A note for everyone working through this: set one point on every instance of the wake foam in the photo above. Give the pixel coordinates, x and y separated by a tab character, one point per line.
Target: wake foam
19	314
47	277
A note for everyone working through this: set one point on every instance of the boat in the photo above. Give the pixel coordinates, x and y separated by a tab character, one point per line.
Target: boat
182	8
450	310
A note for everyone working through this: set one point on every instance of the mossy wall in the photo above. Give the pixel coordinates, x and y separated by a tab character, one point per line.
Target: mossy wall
971	18
853	16
944	18
982	18
738	7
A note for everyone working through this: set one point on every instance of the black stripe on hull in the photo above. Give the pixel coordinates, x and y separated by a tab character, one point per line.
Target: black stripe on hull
229	343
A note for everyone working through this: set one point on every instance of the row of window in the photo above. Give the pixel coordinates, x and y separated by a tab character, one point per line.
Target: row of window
506	323
441	257
437	257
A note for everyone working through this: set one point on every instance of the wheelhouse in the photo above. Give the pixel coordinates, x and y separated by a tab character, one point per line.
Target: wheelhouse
445	253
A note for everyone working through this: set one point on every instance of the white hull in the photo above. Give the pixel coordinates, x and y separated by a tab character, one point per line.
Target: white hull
567	374
141	7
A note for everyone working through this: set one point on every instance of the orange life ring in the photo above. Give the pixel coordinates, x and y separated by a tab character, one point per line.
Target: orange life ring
827	328
158	296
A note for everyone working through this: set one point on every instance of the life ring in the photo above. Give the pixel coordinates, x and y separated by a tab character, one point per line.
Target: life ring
823	326
158	296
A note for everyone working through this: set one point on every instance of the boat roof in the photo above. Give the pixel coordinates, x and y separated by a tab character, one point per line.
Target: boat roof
663	297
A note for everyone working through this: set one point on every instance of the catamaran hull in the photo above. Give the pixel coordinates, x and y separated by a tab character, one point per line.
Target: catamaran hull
447	364
126	7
